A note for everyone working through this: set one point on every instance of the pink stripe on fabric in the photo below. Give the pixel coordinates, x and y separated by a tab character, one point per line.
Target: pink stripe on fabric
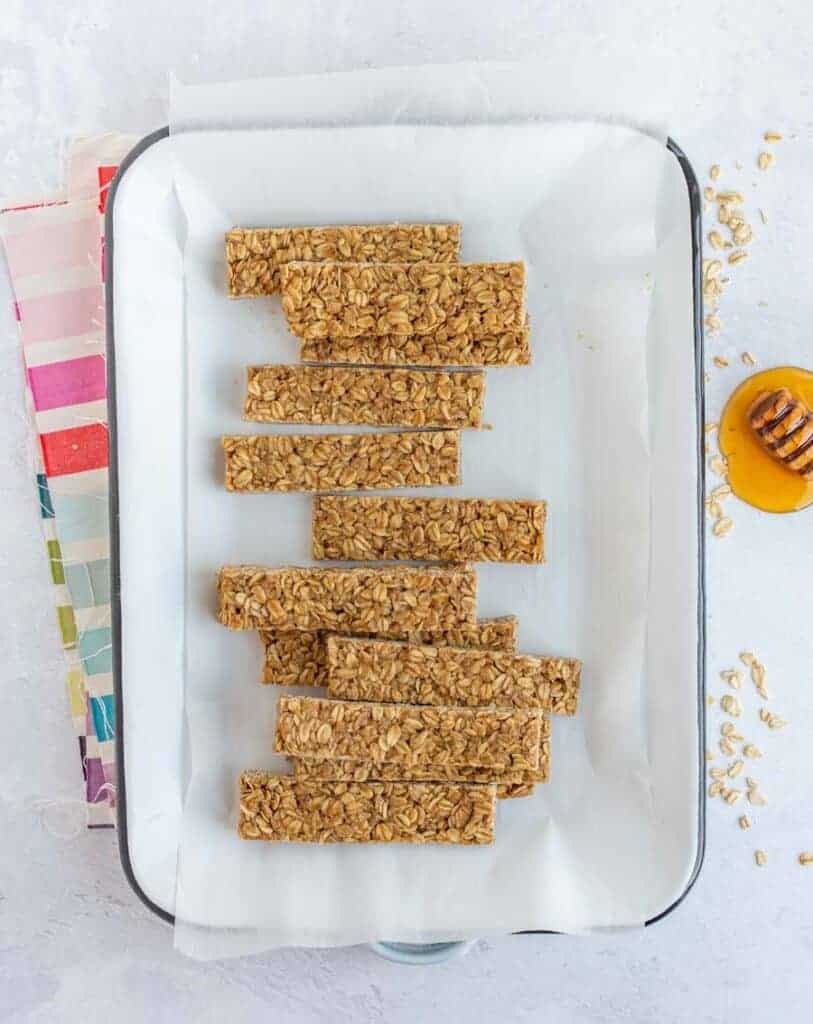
53	247
68	383
62	315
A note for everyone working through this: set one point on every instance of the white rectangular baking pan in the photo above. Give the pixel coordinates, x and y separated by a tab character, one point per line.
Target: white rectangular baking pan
148	379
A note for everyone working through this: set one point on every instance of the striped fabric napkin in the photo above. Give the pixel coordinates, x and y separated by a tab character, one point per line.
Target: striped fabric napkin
54	250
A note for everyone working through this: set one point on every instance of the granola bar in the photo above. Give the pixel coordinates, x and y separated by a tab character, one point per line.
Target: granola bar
406	734
254	255
363	771
354	600
296	658
428	529
351	300
285	809
407	673
338	394
342	462
441	348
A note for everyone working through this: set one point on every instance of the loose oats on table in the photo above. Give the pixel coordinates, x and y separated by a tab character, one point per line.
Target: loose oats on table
298	658
341	462
351	300
428	529
362	600
339	394
254	255
285	809
394	671
406	734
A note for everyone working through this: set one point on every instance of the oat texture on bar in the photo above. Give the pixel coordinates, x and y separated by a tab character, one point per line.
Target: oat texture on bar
428	529
365	771
297	658
351	300
341	394
361	600
282	808
254	255
341	462
407	734
406	673
442	348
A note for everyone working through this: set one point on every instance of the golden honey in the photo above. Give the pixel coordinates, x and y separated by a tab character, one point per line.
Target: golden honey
754	475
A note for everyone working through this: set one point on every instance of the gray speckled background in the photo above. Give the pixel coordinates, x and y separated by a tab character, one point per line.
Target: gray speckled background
75	945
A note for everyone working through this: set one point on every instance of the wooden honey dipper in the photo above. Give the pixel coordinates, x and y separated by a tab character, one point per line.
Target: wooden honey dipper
784	426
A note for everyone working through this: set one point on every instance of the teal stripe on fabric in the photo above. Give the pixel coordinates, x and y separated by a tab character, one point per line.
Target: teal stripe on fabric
101	708
46	506
81	516
96	650
89	583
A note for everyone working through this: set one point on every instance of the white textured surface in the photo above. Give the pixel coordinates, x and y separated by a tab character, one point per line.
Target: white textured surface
74	943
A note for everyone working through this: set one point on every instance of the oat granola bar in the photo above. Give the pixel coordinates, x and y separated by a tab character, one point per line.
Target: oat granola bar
407	673
353	600
254	255
342	462
441	348
297	658
351	300
340	394
428	529
363	771
407	734
282	808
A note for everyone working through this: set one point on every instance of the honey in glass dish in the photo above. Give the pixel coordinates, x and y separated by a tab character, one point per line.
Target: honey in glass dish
754	474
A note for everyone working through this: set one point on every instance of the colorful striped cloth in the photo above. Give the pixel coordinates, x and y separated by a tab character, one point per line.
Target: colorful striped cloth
54	251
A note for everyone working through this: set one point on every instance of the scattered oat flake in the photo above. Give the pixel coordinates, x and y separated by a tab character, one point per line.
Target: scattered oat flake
748	359
716	240
756	798
737	257
714	508
709	755
718	465
744	822
722	526
717	773
732	677
764	714
735	768
721	491
711	268
709	193
720	362
733	796
775	722
727	747
747	658
723	213
806	858
714	323
743	234
714	172
709	700
730	704
730	197
765	160
711	426
751	750
772	137
761	858
763	216
715	789
727	728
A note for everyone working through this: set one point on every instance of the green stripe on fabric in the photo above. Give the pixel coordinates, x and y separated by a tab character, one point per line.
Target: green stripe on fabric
55	557
67	625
